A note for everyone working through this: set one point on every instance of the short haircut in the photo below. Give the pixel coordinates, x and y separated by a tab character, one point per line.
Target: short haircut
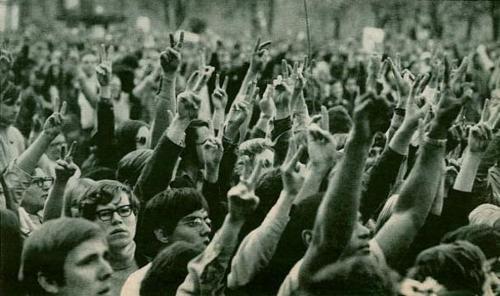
9	93
189	153
456	266
340	120
129	168
75	192
253	147
102	194
169	269
487	238
164	211
359	275
45	251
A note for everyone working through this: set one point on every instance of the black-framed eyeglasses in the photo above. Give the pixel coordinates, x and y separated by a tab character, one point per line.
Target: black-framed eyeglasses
43	182
107	214
141	140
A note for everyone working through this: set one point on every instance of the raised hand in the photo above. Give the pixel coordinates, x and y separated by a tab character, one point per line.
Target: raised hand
188	105
242	198
266	104
53	124
65	167
282	97
171	58
290	170
491	114
239	113
212	151
368	115
257	60
402	84
320	147
205	73
219	96
414	112
451	99
104	68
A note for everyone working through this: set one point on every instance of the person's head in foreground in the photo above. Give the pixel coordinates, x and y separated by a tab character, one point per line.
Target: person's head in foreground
66	256
173	215
169	269
357	275
10	104
114	207
457	267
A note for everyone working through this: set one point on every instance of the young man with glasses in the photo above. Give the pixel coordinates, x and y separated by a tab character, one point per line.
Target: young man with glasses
112	206
174	215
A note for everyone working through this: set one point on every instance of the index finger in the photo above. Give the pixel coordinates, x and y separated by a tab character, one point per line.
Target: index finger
485	111
172	40
181	40
57	104
252	180
295	158
63	152
325	120
102	53
264	45
257	44
224	84
217	80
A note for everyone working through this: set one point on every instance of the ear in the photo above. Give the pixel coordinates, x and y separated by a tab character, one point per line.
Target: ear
306	236
48	284
160	236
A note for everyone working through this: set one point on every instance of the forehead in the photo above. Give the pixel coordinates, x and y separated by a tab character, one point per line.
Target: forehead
89	57
202	213
95	245
118	200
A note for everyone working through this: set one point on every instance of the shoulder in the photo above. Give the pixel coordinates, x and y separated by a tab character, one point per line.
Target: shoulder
132	285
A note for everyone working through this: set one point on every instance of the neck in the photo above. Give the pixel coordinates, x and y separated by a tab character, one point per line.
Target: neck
122	258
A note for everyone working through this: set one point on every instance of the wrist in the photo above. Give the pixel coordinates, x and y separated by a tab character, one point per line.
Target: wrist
180	123
46	136
235	219
438	131
106	92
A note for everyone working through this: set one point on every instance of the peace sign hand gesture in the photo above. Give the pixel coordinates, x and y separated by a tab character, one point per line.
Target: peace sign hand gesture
53	124
65	167
480	135
257	60
171	59
104	69
219	96
242	198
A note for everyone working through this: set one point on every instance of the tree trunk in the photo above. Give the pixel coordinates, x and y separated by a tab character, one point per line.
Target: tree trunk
270	16
495	19
437	27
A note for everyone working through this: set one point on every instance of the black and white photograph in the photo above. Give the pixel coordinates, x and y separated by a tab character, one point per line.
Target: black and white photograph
249	148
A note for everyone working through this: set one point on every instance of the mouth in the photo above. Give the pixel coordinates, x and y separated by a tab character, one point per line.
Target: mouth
118	231
206	241
364	249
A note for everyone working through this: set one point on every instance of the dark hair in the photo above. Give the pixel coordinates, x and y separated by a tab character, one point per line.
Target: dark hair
268	190
126	136
9	92
456	266
340	120
169	269
97	173
253	147
129	168
45	251
487	238
359	275
10	253
103	193
189	153
164	211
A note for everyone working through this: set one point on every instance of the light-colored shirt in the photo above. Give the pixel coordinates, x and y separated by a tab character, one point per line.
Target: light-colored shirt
258	247
132	286
12	144
290	285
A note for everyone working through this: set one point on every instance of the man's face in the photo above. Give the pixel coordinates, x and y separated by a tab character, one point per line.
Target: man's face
116	87
202	134
87	270
194	228
351	86
9	108
35	195
89	62
266	157
54	150
36	82
118	220
337	90
359	243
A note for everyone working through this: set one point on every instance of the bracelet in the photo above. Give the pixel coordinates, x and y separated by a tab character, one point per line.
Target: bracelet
400	111
435	142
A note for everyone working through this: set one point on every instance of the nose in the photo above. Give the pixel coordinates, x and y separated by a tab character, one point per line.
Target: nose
106	270
117	219
206	229
364	232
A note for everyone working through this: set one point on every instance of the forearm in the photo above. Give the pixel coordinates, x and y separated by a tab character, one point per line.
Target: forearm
262	125
312	182
28	160
105	129
337	213
402	138
258	247
54	204
165	101
470	165
88	92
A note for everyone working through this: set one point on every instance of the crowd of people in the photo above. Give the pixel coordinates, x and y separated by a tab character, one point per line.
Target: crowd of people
211	166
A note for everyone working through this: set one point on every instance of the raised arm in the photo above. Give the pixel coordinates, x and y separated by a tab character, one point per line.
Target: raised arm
418	191
170	61
207	271
337	214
